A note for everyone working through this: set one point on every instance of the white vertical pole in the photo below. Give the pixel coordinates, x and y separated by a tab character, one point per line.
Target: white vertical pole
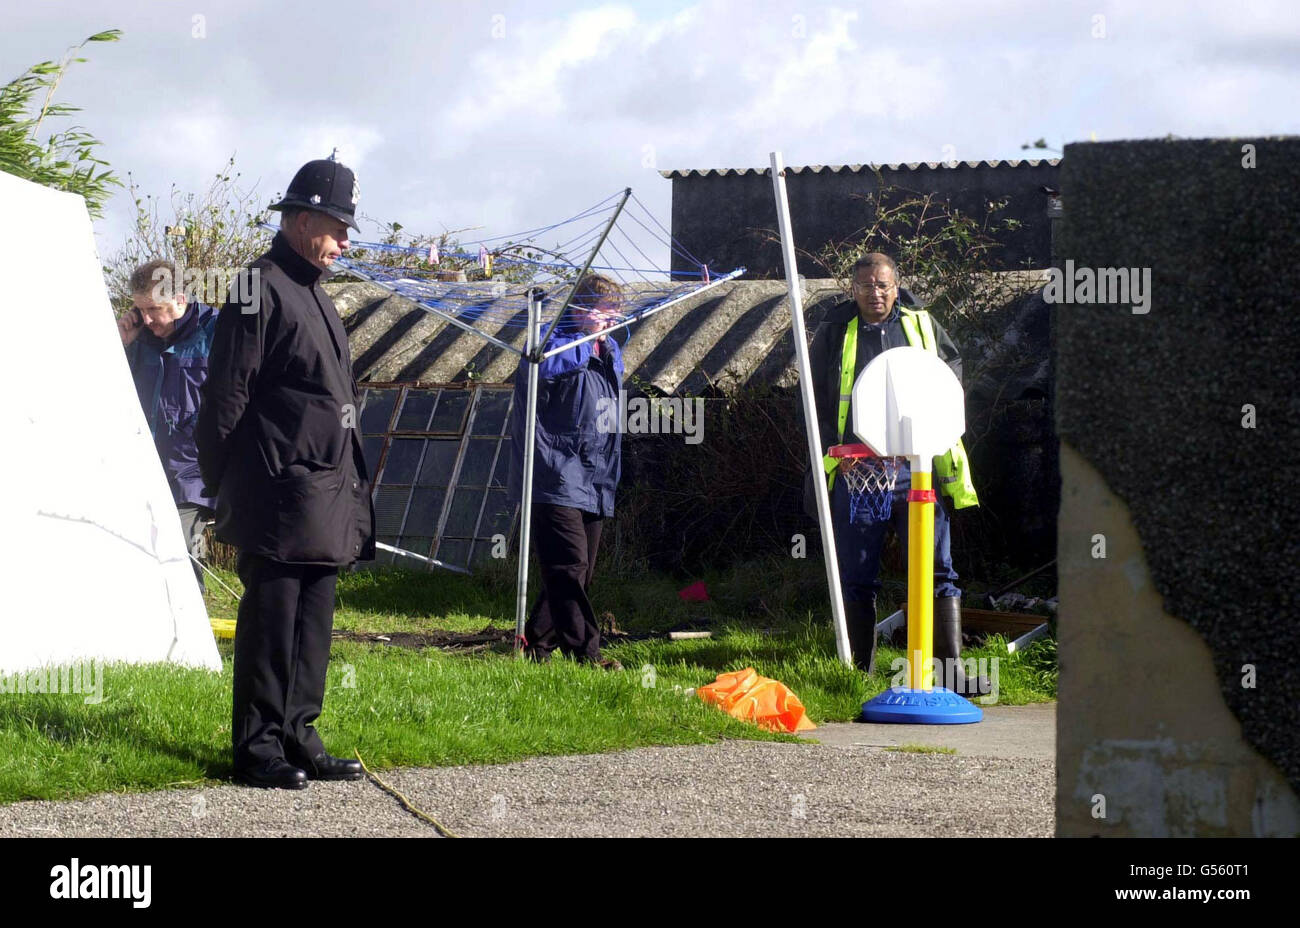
530	442
810	409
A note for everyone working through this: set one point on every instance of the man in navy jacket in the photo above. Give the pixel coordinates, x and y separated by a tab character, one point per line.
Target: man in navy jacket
575	472
167	339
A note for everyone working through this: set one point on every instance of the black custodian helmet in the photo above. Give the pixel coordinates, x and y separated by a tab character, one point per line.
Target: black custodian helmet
326	186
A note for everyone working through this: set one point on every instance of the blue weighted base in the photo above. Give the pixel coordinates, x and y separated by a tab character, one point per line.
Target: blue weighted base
938	706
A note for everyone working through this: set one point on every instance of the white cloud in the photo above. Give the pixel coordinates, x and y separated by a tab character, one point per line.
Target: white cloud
354	142
524	76
448	126
206	130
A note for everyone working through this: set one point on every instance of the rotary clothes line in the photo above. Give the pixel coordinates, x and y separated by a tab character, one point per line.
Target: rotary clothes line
539	278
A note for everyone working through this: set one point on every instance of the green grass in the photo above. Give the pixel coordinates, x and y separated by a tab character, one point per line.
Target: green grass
161	726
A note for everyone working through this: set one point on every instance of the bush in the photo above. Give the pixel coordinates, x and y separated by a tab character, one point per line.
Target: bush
66	160
210	237
733	497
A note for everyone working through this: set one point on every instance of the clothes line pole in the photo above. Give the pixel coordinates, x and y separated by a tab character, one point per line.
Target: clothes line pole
810	409
533	355
530	442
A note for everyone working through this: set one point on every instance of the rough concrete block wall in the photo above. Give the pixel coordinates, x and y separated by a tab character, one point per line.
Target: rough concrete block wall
1179	707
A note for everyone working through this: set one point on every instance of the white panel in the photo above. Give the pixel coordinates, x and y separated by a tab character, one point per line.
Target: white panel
907	401
94	561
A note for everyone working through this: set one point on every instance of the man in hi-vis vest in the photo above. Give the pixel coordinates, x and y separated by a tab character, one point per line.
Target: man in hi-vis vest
882	315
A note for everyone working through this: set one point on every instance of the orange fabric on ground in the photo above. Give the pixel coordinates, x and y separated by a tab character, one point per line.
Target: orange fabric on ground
752	698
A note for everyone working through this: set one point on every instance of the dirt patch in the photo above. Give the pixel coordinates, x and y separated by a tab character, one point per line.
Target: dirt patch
490	637
486	638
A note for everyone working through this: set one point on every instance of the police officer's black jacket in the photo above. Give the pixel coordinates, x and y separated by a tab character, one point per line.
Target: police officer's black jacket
277	437
824	358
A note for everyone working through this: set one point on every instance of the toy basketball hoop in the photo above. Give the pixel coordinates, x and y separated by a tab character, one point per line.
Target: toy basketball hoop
869	480
908	402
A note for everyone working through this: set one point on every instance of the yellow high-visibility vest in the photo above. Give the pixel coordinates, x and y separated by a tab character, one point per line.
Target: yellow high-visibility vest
952	467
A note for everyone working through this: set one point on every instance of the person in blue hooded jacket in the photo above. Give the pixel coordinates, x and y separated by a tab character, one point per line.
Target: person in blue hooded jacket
167	338
575	471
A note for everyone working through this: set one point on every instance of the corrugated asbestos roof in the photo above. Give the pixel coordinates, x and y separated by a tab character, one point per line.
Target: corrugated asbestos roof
735	334
868	168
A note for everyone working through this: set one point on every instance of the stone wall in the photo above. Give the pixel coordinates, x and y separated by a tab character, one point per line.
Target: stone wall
1179	704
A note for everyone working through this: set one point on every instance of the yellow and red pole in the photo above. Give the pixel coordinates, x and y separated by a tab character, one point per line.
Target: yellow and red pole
920	581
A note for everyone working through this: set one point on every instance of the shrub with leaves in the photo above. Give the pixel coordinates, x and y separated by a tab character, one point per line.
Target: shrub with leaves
943	255
66	159
210	235
735	496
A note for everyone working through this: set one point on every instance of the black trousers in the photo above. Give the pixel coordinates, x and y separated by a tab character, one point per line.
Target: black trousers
282	650
193	520
566	540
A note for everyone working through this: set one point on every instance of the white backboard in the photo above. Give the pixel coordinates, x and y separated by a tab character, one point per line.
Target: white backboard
908	402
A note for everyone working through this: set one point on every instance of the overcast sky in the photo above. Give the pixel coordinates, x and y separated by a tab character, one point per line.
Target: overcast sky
509	115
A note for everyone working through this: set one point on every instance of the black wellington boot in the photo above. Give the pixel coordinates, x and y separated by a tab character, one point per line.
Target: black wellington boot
861	621
947	647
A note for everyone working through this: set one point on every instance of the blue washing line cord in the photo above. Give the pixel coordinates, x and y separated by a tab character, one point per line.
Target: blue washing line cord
521	239
505	304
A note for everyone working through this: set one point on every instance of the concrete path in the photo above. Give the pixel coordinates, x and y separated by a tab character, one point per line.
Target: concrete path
1000	783
1006	731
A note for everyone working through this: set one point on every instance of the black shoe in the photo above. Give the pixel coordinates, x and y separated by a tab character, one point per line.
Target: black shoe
277	773
326	767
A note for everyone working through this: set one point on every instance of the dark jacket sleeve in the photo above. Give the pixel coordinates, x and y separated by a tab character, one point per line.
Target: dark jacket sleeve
133	365
821	363
818	360
238	343
948	352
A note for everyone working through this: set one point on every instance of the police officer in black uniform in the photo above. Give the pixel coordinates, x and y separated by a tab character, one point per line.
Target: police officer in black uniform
279	450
